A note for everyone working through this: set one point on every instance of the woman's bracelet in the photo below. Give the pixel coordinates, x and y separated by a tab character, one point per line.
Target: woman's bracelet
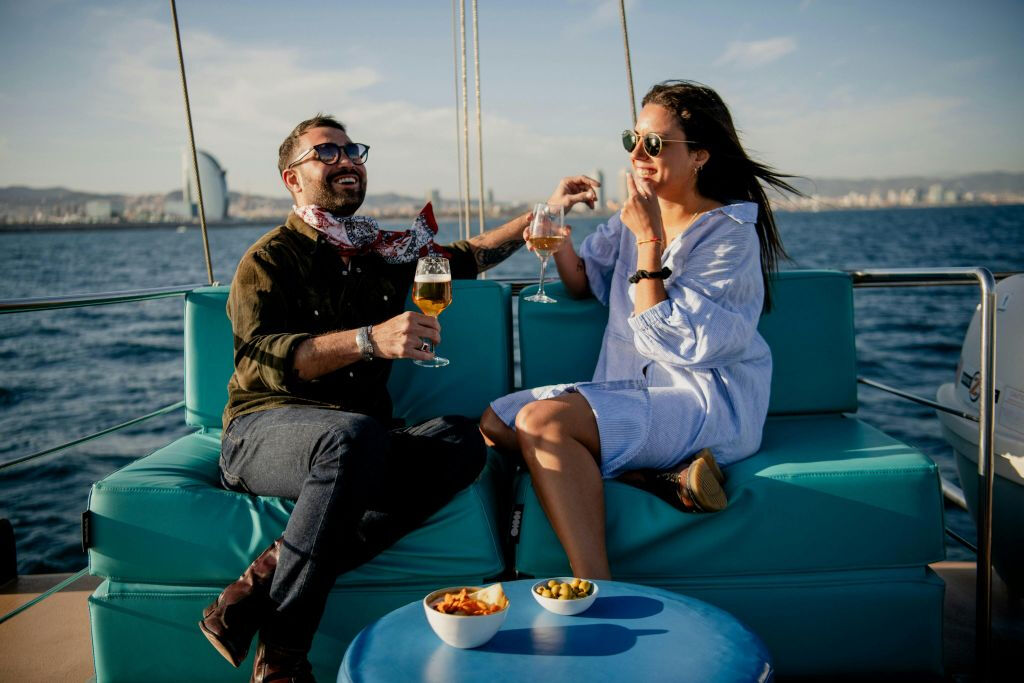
649	275
655	239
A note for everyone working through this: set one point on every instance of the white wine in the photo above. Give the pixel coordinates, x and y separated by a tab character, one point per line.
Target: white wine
432	292
544	246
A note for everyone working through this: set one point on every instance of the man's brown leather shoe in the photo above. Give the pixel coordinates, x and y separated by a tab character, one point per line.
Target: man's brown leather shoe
280	665
231	621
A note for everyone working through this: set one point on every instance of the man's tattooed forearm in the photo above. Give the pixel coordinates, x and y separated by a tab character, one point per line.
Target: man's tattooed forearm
488	257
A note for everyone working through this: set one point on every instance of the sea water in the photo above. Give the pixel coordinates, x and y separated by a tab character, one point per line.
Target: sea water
67	373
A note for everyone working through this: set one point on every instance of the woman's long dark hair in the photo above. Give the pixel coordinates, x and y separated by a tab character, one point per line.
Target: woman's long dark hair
729	174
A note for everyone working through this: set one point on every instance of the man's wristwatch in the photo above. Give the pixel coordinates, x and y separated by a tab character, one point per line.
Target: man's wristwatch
364	343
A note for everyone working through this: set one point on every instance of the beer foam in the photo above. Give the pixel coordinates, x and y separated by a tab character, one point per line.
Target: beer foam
434	277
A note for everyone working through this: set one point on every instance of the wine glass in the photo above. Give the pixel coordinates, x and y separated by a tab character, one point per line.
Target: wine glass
547	232
432	292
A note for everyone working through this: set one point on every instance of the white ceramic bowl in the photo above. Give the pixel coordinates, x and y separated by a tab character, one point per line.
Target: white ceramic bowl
567	607
459	630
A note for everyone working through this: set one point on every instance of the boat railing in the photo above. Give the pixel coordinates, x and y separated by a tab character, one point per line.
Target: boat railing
77	301
986	282
871	278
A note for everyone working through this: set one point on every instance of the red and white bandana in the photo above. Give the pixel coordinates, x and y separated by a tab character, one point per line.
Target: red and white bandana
353	235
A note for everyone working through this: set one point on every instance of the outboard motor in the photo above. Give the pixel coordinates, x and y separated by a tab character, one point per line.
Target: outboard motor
964	394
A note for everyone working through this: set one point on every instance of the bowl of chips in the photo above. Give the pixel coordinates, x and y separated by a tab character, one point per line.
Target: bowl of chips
565	595
467	616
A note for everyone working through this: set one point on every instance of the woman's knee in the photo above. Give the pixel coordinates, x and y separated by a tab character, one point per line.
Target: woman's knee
538	417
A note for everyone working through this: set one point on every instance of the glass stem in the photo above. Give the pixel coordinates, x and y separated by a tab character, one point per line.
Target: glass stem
543	265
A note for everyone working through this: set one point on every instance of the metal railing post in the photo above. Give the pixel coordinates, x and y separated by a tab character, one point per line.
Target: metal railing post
986	475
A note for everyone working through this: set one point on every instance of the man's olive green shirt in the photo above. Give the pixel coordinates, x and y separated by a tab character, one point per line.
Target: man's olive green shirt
292	285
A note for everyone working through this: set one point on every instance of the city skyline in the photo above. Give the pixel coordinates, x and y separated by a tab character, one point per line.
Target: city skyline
819	89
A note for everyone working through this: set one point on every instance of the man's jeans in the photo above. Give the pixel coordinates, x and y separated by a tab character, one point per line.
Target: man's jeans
358	488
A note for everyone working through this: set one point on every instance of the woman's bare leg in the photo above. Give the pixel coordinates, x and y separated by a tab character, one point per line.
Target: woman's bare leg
561	445
497	434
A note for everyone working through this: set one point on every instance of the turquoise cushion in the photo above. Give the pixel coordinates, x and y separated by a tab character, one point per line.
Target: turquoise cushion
146	632
810	331
164	519
475	335
209	356
832	624
825	493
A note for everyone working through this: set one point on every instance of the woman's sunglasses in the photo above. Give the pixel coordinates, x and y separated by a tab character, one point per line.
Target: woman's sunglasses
653	143
329	153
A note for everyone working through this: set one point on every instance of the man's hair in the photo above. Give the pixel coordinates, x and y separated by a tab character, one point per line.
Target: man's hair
287	151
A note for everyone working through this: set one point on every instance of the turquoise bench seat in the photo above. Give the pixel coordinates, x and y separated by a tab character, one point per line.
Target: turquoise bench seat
823	549
824	546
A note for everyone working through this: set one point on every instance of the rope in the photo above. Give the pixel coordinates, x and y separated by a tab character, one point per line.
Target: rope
479	124
458	141
192	144
465	107
629	65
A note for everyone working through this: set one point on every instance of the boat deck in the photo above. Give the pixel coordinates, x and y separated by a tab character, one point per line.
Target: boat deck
50	641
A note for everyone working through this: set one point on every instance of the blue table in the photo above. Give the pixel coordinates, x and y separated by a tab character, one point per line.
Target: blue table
630	633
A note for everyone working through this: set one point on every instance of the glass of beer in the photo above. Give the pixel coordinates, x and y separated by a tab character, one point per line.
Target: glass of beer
547	232
432	292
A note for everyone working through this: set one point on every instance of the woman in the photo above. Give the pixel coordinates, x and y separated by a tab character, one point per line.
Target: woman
684	269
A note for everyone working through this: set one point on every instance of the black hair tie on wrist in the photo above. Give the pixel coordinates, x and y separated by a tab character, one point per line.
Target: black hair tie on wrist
649	275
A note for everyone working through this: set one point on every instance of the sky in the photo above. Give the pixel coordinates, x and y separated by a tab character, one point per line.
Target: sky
90	96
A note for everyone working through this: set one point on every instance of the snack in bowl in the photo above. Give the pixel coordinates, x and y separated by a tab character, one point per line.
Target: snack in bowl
565	595
466	617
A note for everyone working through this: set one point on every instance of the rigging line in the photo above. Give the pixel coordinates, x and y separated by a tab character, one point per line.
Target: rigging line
458	141
629	65
465	109
192	144
479	124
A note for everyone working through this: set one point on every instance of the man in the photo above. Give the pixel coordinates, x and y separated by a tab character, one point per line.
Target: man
316	307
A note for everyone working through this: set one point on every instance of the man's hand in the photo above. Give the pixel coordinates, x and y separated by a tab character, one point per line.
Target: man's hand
402	336
567	240
573	190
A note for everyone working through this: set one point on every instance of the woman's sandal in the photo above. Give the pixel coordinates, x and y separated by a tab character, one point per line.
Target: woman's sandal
700	490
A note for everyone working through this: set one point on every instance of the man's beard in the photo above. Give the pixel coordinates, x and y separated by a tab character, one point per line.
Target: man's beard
339	200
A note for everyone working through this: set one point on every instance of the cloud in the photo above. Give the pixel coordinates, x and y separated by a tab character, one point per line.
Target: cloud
245	99
605	15
847	136
747	55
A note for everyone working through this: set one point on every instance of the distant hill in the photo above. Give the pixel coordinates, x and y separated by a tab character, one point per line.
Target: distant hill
59	205
997	182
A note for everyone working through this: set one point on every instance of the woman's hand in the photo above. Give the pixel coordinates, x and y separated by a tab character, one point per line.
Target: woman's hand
575	189
641	212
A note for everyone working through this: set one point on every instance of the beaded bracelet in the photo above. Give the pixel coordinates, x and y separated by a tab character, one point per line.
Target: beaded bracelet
656	239
649	275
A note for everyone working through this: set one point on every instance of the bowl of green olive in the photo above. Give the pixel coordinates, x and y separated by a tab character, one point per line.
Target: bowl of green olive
565	595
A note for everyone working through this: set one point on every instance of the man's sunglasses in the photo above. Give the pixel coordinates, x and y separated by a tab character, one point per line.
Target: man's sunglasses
329	153
653	143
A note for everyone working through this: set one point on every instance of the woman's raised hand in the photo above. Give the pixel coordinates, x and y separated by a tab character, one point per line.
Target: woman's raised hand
575	189
641	212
